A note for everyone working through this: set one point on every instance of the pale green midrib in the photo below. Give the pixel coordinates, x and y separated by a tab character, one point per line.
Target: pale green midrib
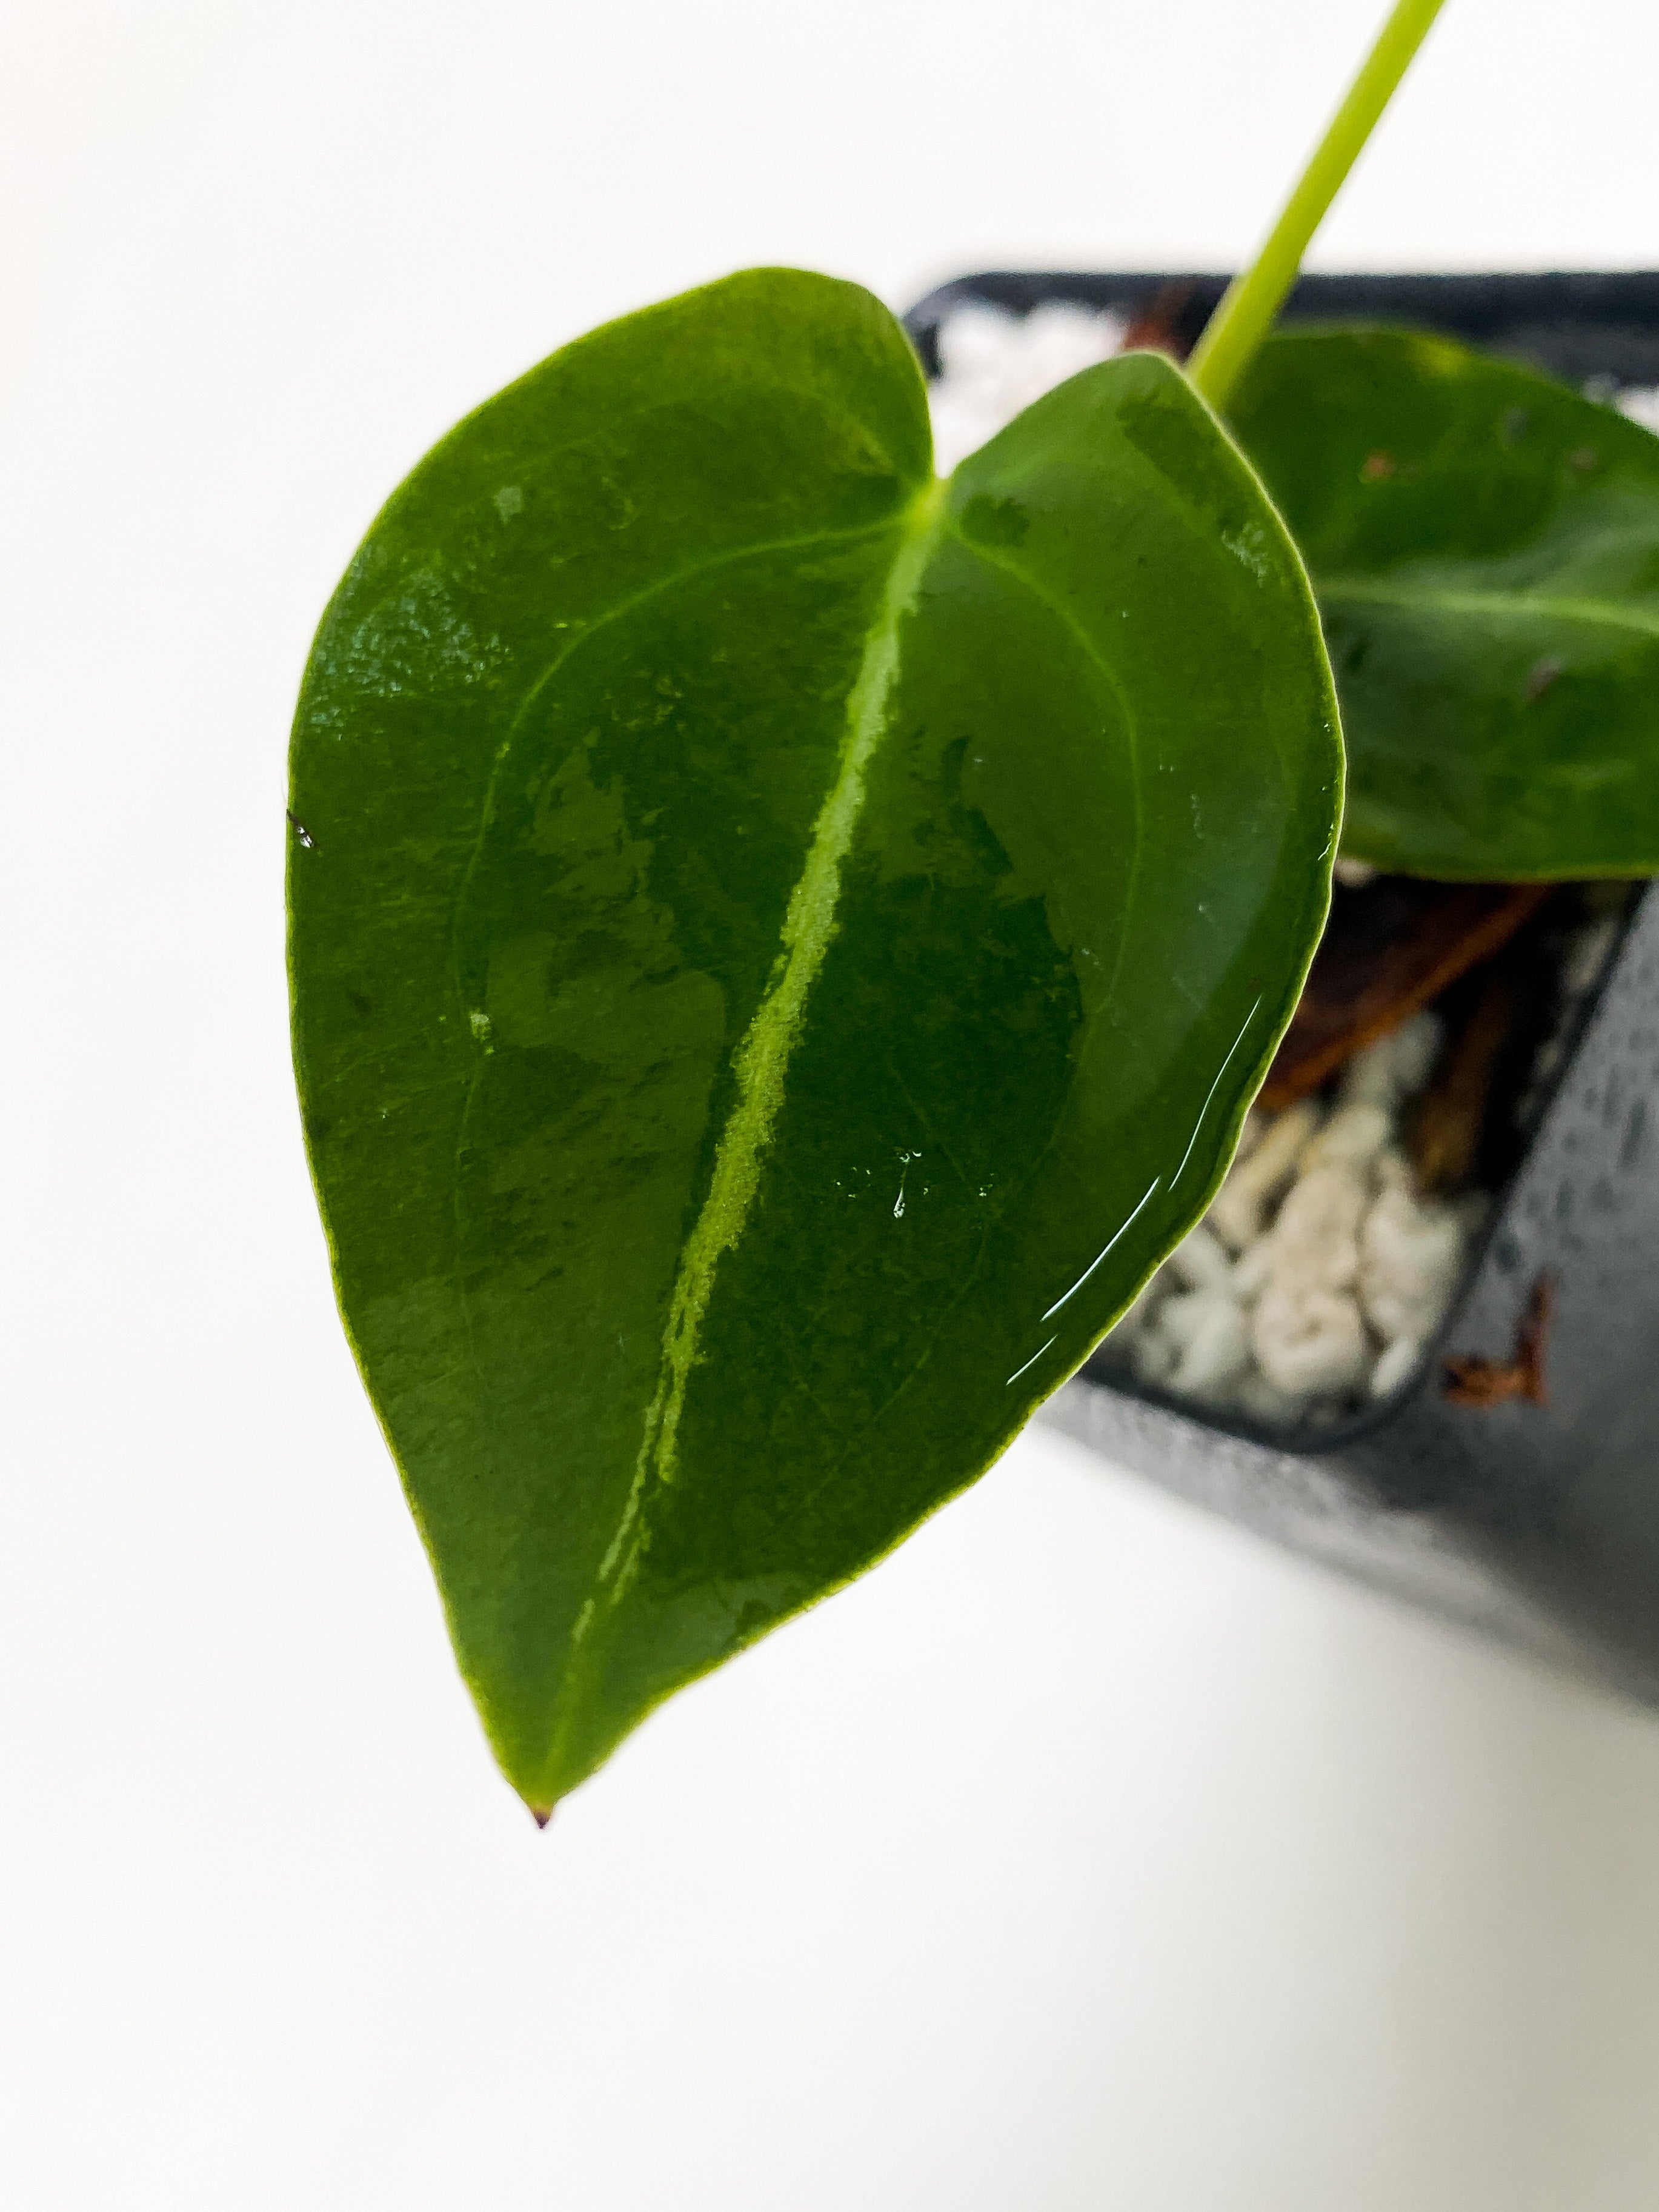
1605	614
585	629
761	1058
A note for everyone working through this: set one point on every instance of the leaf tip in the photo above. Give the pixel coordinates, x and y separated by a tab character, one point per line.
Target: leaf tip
541	1814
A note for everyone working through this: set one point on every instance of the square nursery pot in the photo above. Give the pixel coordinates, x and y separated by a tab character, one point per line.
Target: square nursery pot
1537	1523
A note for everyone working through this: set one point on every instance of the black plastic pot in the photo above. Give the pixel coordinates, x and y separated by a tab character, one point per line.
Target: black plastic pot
1537	1524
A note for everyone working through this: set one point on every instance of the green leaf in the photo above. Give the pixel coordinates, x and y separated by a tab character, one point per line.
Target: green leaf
780	948
1485	548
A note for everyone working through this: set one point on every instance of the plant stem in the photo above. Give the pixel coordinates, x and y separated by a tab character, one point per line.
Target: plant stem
1252	300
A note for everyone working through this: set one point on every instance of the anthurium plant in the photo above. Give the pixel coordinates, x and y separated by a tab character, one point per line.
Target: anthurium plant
783	946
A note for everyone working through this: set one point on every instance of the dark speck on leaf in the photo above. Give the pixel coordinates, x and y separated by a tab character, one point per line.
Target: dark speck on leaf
1513	426
1582	459
1376	466
1542	674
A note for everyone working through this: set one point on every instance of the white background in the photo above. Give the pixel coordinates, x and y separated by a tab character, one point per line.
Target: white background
1086	1856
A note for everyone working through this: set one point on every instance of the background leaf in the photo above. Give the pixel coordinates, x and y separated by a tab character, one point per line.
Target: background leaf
1485	548
780	948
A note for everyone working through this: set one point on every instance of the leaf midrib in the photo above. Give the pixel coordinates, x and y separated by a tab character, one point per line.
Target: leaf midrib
761	1061
582	633
1609	614
585	629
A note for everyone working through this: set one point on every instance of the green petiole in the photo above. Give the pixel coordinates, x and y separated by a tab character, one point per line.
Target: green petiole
1252	300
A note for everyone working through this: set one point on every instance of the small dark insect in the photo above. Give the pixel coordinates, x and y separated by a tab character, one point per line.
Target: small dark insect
1376	466
1542	674
1473	1380
299	830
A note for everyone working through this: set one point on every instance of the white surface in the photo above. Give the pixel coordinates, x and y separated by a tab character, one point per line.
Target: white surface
1085	1857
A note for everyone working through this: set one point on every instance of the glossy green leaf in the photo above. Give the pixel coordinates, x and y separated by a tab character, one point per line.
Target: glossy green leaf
1485	548
780	948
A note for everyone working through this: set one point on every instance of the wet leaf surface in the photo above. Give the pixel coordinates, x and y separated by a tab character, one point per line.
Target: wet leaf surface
781	949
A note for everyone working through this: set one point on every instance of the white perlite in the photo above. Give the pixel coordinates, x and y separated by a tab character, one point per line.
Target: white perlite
993	364
1318	1275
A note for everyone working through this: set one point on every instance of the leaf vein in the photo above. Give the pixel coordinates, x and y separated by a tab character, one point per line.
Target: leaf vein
763	1057
1430	599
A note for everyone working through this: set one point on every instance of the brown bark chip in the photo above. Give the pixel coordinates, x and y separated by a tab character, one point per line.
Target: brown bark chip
1445	1129
1473	1380
1388	949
